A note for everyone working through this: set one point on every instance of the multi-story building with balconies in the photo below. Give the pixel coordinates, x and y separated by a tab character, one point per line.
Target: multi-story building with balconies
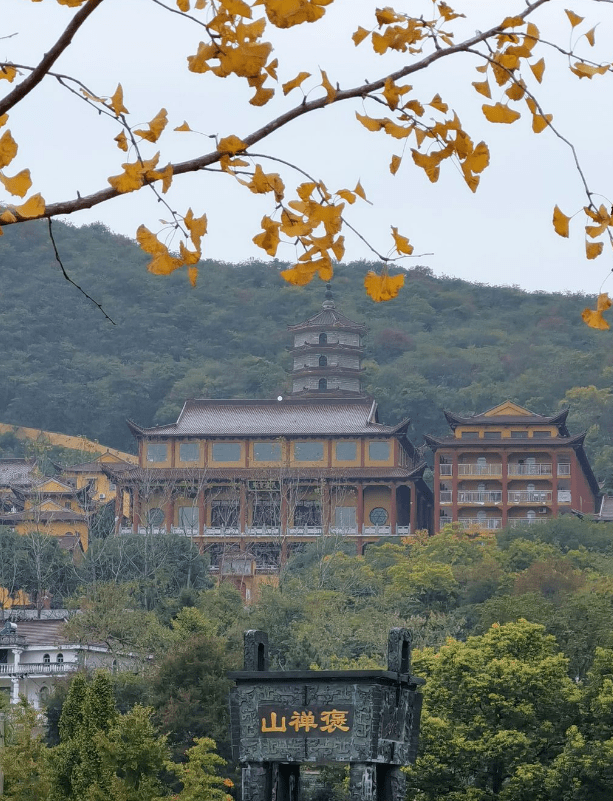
509	466
253	480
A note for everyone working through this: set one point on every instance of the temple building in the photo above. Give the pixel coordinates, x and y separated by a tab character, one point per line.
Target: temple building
253	480
509	466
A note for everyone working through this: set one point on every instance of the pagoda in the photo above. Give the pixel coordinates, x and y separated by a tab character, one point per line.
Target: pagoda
327	353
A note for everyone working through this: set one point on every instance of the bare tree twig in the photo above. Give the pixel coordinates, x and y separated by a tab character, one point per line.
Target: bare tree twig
69	279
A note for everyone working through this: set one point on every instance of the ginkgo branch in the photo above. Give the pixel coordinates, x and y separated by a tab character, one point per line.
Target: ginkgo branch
36	76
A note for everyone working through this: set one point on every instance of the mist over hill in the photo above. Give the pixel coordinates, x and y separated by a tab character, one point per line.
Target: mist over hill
443	343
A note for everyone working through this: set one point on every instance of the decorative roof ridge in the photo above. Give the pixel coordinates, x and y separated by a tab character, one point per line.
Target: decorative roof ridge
455	419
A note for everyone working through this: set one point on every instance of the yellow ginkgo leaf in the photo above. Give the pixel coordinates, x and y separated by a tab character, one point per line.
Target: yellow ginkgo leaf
183	5
591	36
330	90
575	19
196	226
149	241
156	126
483	87
262	96
262	183
584	70
438	104
512	22
360	191
500	113
593	249
8	217
33	207
359	35
116	101
7	73
8	149
295	82
192	274
395	164
402	243
345	194
189	256
3	119
594	318
183	127
122	141
19	184
269	239
540	122
538	69
231	144
560	222
515	91
165	176
383	287
479	159
392	93
370	123
237	7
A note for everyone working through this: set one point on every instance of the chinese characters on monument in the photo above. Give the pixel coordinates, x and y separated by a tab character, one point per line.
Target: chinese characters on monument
315	721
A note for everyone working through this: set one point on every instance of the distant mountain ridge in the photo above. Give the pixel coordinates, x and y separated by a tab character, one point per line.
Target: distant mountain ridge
443	343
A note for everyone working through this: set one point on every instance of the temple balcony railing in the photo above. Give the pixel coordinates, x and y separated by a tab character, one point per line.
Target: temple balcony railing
487	523
531	496
275	532
446	496
12	641
484	496
526	521
536	469
563	469
565	496
494	469
445	469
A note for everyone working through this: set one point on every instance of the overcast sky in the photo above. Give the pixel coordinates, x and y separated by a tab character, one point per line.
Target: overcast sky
500	235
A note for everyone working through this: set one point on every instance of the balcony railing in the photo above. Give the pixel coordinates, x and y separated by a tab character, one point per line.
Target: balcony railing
485	496
536	469
445	469
480	469
276	532
488	523
563	469
534	496
445	496
37	668
564	496
12	641
526	521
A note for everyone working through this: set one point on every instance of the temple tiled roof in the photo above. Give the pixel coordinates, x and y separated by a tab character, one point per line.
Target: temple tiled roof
329	318
531	419
16	471
289	417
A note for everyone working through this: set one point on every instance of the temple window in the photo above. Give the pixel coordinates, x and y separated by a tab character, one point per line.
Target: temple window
308	451
267	452
519	435
226	452
46	659
323	339
378	451
470	435
157	453
323	383
188	518
492	435
189	452
346	451
378	516
60	659
155	517
323	361
541	434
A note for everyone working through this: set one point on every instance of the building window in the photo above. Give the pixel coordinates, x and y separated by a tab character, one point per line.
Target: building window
323	383
224	514
157	453
189	517
43	694
189	452
531	514
378	451
267	451
226	451
346	451
267	512
323	361
60	659
519	435
155	516
378	516
307	513
46	659
470	435
492	434
323	339
308	451
541	434
345	517
112	487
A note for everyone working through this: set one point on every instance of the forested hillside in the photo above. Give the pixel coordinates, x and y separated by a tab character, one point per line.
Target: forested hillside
443	343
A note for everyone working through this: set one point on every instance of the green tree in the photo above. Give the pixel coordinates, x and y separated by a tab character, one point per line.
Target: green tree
24	760
493	705
199	775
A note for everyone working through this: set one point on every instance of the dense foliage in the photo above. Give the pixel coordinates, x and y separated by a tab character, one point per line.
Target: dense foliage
444	343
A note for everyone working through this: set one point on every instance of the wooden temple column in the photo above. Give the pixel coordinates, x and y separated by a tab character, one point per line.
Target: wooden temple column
413	510
359	496
136	509
393	508
119	494
284	521
169	514
455	480
554	483
201	512
505	486
242	509
326	511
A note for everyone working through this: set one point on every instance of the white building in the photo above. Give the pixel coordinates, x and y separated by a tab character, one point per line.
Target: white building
34	654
